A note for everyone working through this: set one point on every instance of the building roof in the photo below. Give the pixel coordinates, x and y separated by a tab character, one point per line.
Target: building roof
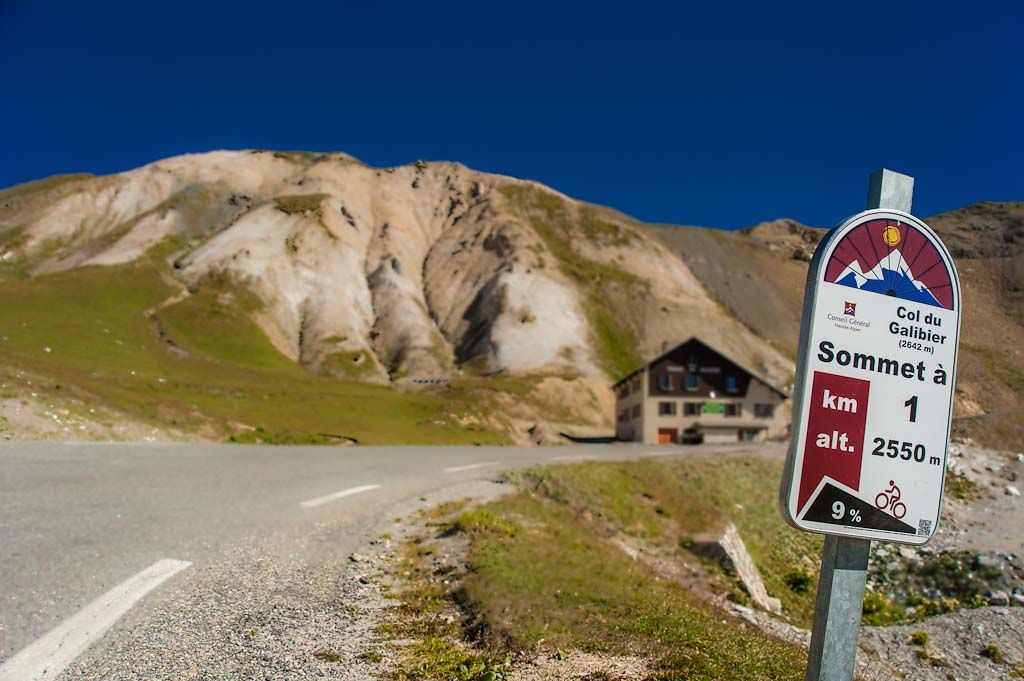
665	354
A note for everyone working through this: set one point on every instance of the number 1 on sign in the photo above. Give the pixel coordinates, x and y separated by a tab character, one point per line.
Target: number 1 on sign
912	403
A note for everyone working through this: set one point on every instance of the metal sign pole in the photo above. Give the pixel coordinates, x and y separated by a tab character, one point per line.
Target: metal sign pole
844	560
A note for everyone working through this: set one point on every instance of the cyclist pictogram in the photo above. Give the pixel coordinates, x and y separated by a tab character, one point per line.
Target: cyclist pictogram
890	499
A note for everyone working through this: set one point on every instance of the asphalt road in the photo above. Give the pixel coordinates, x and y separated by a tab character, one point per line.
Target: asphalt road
77	520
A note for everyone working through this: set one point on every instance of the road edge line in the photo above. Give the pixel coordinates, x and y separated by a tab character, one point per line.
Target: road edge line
334	496
470	467
49	655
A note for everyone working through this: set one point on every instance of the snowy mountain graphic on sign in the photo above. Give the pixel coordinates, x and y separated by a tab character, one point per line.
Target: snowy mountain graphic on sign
891	276
892	258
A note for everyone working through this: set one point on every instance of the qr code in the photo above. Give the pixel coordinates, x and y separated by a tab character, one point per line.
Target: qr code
924	528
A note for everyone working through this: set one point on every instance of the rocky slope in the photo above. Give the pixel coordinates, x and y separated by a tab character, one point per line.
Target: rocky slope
385	274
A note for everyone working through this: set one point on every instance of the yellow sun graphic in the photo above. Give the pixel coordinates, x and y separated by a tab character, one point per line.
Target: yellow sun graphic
891	235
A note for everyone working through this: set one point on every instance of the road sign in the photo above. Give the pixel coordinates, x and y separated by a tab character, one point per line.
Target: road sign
874	390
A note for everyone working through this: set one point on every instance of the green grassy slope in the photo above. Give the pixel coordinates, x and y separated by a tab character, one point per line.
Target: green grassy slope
667	504
200	365
550	578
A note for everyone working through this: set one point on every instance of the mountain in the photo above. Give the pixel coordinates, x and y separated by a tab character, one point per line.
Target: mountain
402	276
290	295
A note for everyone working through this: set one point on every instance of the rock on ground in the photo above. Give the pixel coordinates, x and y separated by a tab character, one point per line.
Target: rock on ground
728	549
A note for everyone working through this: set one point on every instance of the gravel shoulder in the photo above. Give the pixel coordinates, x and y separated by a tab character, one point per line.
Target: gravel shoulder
956	646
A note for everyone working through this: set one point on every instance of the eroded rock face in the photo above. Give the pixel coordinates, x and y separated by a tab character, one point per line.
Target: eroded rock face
388	274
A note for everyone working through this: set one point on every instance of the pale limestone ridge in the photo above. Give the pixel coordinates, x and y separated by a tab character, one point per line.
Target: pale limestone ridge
383	274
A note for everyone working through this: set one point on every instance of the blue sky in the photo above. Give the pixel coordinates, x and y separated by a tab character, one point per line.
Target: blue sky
718	114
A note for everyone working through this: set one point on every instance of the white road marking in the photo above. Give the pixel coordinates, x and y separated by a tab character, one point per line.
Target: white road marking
326	499
48	656
459	469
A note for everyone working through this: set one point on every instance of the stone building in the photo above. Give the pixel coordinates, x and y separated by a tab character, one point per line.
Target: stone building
694	393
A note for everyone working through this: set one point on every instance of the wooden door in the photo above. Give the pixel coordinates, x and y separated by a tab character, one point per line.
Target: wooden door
667	436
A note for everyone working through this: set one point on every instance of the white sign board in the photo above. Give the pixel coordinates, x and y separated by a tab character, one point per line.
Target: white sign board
874	388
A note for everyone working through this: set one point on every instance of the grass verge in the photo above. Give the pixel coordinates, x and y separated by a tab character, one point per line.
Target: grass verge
542	577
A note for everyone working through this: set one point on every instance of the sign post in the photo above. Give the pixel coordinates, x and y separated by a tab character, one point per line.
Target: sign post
872	403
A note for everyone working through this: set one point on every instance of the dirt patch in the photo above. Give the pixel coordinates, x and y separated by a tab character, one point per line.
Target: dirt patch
31	418
969	645
581	666
990	522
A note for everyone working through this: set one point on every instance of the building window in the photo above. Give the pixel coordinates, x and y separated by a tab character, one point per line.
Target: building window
732	409
692	408
730	384
636	411
666	408
665	382
692	382
764	411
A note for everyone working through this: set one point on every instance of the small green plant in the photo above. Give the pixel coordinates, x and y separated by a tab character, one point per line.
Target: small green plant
938	606
960	487
484	520
919	638
880	611
992	652
799	580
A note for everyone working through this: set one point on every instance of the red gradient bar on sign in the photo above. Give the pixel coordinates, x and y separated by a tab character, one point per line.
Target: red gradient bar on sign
835	433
